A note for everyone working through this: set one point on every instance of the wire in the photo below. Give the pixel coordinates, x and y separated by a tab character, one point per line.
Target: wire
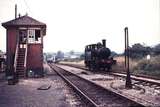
27	6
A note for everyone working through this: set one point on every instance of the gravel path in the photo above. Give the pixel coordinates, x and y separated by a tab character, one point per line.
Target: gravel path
25	93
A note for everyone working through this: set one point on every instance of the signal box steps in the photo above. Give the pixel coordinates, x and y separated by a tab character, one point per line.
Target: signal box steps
20	63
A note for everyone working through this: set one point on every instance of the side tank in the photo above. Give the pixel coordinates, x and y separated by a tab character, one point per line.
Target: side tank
104	53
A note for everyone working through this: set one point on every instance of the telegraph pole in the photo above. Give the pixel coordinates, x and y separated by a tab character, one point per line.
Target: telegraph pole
15	11
125	51
128	78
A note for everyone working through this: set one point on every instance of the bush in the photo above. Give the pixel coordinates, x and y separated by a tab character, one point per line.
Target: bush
138	51
148	67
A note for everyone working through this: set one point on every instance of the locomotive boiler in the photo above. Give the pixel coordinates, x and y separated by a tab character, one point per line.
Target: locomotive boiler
98	57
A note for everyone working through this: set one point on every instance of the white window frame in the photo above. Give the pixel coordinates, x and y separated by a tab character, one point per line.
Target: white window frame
31	36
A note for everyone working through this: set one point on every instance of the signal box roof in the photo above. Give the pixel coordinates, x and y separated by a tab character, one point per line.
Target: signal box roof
23	21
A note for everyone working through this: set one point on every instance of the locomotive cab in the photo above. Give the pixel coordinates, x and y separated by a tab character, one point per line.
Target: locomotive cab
90	54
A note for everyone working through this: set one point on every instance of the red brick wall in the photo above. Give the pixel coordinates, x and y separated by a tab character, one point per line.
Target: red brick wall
11	39
35	56
11	46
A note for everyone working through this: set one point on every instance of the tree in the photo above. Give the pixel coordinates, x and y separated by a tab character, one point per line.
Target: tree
71	52
60	55
139	51
82	56
113	54
156	49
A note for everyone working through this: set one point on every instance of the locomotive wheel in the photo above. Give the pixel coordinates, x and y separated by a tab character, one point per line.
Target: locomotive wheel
103	68
92	67
89	68
97	68
109	68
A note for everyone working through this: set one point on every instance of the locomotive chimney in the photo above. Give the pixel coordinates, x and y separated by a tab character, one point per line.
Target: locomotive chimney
104	42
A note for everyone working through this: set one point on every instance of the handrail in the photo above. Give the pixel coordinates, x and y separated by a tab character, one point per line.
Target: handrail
25	59
16	55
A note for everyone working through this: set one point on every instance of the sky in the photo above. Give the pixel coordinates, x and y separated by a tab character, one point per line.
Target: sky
72	24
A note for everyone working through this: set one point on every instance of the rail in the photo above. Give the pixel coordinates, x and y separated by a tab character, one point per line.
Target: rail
99	95
85	97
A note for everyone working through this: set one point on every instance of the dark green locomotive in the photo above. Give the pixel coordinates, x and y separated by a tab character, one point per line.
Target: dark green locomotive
98	57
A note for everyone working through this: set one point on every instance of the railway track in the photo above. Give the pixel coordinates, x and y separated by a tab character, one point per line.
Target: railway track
92	94
141	79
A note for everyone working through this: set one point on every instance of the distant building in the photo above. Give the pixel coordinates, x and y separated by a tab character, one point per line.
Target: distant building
74	55
2	61
24	48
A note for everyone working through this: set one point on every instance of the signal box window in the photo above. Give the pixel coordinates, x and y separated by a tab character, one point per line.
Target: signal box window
23	36
37	36
31	36
34	36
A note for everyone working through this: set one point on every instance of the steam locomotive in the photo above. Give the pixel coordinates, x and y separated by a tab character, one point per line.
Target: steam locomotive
98	57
